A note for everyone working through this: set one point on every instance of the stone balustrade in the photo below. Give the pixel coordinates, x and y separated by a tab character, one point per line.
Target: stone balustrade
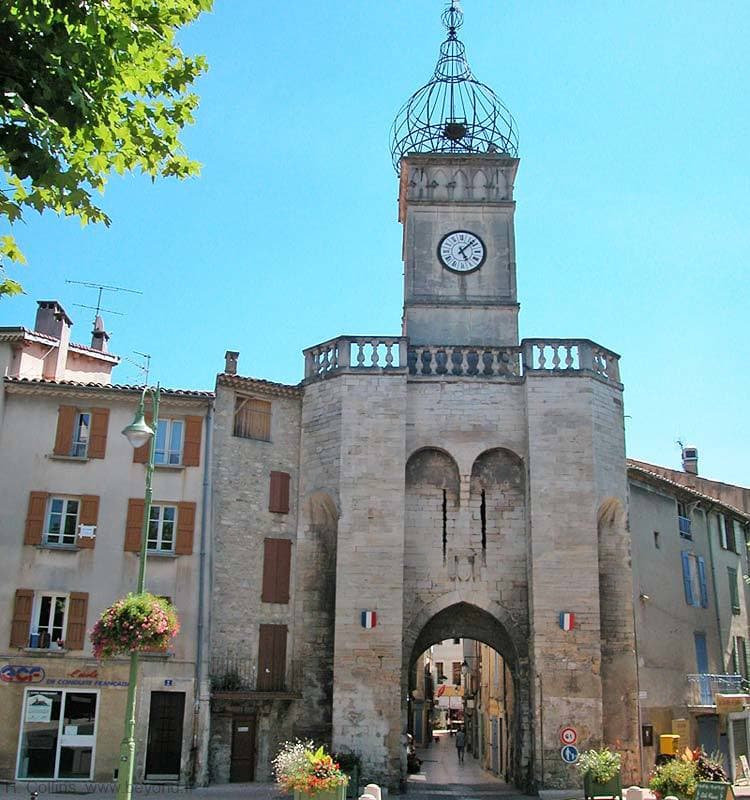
533	356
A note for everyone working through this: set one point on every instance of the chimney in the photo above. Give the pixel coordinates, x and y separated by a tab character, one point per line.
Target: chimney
99	337
690	460
52	320
230	361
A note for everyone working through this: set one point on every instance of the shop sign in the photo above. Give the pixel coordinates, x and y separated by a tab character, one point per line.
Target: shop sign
38	708
21	673
728	703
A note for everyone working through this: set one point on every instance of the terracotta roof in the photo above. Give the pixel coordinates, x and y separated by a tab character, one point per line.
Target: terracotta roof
638	470
94	352
18	334
258	385
123	389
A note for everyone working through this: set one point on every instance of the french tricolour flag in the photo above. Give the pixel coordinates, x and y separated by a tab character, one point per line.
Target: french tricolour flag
567	620
369	619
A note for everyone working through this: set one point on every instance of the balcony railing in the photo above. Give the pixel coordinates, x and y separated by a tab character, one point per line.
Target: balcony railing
703	688
235	673
395	354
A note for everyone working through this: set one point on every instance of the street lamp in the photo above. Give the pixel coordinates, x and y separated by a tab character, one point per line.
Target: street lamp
138	433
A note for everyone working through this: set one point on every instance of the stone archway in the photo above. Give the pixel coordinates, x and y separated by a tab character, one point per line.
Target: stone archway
465	620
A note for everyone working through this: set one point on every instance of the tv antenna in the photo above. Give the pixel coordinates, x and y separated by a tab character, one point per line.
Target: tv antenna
102	288
144	368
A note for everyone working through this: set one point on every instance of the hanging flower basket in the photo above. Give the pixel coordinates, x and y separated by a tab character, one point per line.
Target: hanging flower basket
138	622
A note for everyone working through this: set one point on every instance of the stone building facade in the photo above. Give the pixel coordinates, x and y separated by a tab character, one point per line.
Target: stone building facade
71	513
453	480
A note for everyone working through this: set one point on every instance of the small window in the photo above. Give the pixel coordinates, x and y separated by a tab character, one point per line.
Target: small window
440	669
62	521
48	620
169	437
683	521
81	430
161	529
456	673
656	540
252	418
726	532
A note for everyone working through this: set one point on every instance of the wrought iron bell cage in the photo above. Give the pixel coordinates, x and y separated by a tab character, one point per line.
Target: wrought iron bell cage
453	112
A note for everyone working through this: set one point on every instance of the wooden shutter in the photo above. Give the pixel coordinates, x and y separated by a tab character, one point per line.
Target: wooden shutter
75	636
35	518
272	658
734	594
98	433
21	624
277	555
686	580
134	525
278	499
191	446
185	529
89	516
66	417
141	454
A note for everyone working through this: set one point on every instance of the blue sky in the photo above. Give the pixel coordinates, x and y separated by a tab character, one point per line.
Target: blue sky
631	226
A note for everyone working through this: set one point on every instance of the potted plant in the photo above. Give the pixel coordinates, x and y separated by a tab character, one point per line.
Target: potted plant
309	772
676	777
601	773
138	622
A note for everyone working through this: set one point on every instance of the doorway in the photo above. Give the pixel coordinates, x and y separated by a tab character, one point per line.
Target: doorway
164	749
242	767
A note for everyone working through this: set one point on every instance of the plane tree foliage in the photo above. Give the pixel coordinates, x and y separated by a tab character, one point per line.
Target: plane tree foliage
88	87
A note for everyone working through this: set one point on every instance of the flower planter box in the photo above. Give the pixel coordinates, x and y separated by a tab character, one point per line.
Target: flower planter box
332	794
612	788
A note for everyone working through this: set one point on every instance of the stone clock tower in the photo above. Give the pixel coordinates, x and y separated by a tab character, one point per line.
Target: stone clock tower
459	249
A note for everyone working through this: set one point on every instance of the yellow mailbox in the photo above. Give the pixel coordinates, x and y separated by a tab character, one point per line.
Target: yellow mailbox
669	744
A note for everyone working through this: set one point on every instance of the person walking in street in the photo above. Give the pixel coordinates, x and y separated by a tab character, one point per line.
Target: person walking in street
460	744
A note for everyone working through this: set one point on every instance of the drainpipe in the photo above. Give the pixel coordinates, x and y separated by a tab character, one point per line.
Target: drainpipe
203	611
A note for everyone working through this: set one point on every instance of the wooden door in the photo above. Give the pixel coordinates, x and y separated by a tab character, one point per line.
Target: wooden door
164	750
242	767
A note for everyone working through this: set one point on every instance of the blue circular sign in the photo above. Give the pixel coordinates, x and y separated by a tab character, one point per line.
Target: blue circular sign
569	754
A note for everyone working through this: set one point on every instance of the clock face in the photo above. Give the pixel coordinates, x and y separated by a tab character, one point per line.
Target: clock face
461	251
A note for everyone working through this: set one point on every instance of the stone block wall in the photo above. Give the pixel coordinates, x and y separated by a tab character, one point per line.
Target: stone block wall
370	552
563	569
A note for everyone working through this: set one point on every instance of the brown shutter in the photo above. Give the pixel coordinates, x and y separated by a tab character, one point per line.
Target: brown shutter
98	434
66	417
271	658
277	555
88	516
141	454
35	518
21	624
77	608
134	525
191	447
185	529
278	500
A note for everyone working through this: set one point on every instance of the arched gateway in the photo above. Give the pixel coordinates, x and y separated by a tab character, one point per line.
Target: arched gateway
450	481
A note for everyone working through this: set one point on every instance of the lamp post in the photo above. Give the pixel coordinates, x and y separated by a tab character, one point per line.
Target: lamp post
138	433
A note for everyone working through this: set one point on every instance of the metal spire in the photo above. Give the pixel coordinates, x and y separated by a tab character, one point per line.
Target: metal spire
453	112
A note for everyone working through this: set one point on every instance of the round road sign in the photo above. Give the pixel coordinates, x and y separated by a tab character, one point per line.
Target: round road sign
569	754
568	736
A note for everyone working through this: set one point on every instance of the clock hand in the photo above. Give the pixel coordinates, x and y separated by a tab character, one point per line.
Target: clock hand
465	247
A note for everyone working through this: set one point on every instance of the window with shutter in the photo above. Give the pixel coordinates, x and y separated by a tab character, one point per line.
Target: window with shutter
687	579
729	528
78	603
191	453
252	418
272	658
21	623
66	416
97	443
37	509
278	499
277	554
134	525
734	594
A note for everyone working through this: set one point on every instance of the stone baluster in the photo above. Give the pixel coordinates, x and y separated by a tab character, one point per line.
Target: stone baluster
344	353
389	345
569	358
374	356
